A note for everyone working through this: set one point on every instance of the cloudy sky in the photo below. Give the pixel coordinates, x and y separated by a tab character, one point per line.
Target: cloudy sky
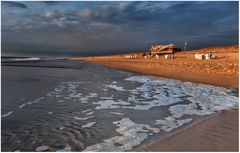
95	28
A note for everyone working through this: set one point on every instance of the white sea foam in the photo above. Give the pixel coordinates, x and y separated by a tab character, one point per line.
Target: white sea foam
204	99
7	114
110	104
20	59
155	92
75	95
163	92
118	88
180	110
116	113
90	124
83	118
132	135
83	99
92	95
35	101
17	151
21	106
90	113
88	110
42	148
60	101
84	102
66	149
61	128
108	98
171	123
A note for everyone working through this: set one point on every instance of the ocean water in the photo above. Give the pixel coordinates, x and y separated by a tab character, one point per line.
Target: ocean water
62	105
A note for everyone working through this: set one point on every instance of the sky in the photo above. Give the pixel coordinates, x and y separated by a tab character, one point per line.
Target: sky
86	28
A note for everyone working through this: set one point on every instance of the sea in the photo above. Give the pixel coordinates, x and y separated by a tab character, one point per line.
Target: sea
66	105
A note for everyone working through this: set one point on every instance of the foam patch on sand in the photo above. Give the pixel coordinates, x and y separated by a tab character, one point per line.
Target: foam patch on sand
132	135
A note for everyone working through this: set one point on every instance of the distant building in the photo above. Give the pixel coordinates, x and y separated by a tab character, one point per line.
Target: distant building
163	49
131	56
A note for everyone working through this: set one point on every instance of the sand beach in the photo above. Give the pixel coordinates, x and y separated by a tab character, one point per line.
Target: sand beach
222	71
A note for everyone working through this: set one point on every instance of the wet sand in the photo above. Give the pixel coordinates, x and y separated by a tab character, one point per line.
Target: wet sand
218	133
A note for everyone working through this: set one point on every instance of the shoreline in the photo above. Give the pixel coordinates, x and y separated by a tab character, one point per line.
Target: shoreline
182	141
227	81
196	136
205	135
222	71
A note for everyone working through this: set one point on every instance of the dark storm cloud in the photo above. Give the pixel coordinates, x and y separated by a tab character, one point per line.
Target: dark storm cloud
75	28
14	4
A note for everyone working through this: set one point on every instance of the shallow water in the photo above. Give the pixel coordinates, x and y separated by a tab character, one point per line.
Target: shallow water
76	106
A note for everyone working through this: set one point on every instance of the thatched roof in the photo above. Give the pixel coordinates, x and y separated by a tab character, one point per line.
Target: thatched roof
162	47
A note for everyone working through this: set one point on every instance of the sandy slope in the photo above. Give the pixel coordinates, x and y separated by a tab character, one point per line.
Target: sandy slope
218	133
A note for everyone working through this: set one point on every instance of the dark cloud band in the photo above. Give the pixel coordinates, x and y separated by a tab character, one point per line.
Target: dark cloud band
75	28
